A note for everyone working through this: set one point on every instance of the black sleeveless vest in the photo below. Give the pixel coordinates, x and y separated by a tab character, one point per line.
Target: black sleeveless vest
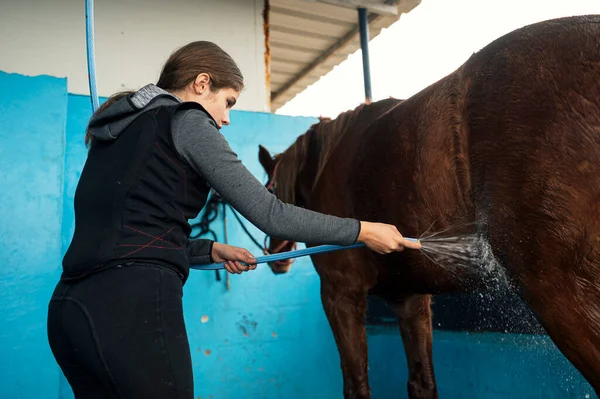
134	199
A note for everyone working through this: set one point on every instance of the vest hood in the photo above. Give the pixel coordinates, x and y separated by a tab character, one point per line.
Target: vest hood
111	122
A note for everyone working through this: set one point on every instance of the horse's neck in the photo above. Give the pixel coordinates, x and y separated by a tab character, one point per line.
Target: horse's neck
356	121
322	148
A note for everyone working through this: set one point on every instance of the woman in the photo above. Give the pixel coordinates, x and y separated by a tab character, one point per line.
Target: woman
115	322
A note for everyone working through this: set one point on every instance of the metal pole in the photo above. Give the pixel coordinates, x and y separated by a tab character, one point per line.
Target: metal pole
363	25
91	61
227	281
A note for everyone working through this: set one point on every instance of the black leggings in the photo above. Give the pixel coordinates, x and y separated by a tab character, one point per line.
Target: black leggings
120	334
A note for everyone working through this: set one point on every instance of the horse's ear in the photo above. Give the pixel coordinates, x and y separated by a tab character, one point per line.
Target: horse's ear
265	159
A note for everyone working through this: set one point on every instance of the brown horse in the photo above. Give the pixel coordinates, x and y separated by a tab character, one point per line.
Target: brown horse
508	143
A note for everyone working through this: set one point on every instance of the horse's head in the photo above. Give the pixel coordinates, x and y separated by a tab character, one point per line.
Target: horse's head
294	173
287	181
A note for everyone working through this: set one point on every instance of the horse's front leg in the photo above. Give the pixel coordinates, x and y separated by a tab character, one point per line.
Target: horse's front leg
414	319
345	308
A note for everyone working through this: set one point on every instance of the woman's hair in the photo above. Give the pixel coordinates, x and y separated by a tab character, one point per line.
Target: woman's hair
184	65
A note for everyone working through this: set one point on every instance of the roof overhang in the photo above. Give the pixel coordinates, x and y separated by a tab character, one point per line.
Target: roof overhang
307	38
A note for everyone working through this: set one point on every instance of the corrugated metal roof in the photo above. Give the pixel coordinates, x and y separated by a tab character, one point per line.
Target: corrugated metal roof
308	38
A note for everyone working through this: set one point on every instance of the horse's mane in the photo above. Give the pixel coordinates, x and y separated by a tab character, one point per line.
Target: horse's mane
323	136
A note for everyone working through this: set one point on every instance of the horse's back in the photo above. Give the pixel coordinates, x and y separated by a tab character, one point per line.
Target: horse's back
533	105
511	141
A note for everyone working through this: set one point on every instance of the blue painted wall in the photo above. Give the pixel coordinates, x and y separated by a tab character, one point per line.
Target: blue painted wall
486	366
265	338
33	114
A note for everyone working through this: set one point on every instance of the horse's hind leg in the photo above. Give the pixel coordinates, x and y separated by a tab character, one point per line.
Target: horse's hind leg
567	302
414	319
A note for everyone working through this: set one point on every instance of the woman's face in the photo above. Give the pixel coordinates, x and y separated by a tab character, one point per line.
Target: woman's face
218	103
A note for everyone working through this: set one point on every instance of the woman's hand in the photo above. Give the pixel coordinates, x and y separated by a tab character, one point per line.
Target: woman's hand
384	238
232	258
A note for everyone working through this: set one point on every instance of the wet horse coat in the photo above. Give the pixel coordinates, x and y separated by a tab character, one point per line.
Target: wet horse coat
509	143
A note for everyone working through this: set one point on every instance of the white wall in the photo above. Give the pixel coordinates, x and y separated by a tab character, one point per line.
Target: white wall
133	39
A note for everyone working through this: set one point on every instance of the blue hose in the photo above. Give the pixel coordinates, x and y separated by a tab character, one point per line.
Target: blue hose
89	35
290	254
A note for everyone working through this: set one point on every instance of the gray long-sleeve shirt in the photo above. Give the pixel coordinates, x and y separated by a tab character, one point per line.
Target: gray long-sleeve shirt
200	143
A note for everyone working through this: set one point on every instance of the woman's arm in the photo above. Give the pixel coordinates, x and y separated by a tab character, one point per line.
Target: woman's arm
198	141
199	251
202	252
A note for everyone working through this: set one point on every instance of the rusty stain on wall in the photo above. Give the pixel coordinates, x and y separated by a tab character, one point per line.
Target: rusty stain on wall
266	11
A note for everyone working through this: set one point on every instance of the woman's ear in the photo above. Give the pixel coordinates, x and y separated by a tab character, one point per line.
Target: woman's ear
201	83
